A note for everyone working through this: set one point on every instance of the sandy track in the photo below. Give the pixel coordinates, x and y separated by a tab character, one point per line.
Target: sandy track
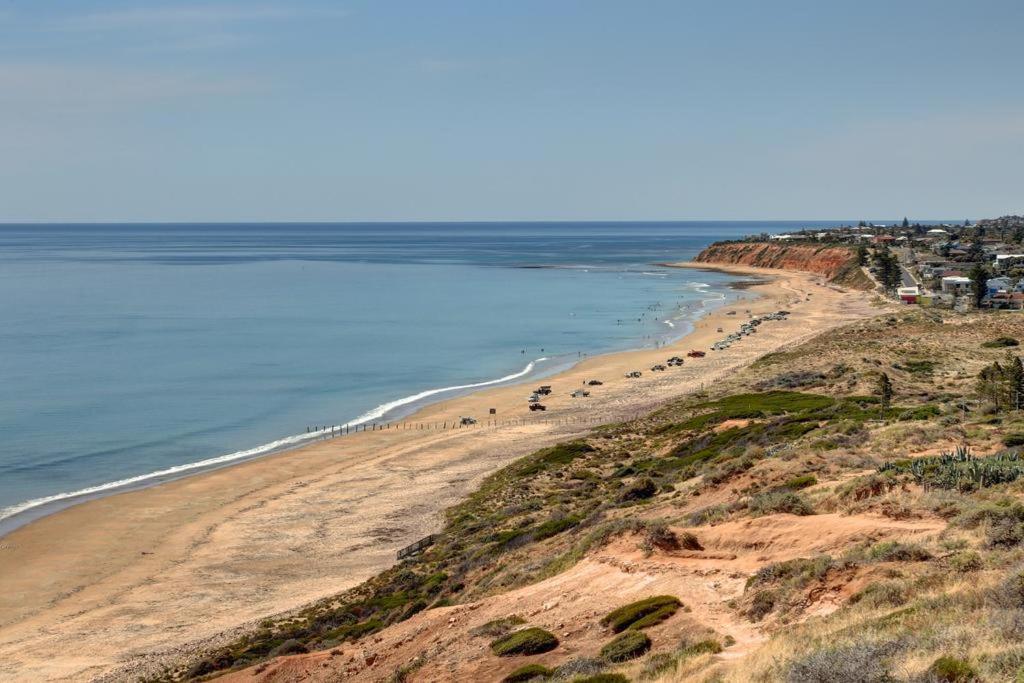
119	585
572	603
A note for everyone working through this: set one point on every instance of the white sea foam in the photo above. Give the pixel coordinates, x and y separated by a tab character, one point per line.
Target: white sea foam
279	444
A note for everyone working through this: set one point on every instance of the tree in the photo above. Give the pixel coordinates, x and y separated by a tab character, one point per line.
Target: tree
1015	381
906	223
885	390
976	253
862	255
991	384
888	267
979	283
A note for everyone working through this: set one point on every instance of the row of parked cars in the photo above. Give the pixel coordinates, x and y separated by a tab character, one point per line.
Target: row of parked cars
747	328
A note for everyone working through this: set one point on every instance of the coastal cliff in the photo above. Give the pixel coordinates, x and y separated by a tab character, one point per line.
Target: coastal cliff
838	264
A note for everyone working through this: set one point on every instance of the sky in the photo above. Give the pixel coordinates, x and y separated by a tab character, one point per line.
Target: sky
500	110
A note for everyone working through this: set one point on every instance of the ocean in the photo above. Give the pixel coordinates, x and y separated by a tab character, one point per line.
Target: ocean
130	354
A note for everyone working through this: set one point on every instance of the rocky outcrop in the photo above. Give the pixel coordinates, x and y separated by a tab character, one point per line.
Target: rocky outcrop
838	264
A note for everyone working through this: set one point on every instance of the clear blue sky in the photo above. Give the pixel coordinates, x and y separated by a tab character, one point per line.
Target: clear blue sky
484	109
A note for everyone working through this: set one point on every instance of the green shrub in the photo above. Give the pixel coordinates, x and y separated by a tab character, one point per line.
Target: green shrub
527	673
798	572
497	627
894	551
560	454
779	502
624	617
1000	342
966	561
602	678
702	647
553	527
639	490
882	593
1012	440
654	618
801	482
761	605
951	670
289	647
657	665
529	641
626	646
861	662
688	541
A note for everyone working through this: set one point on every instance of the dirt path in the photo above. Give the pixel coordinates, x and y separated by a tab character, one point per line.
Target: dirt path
572	603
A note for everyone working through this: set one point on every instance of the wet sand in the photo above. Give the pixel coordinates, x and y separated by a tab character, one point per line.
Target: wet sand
118	586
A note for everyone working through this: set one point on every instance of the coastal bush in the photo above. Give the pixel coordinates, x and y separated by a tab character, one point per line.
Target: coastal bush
626	646
882	594
497	627
779	502
687	541
581	666
761	605
622	618
560	454
602	678
553	527
289	647
654	618
701	647
660	536
527	673
966	561
639	490
657	665
860	662
895	551
796	572
1000	343
801	482
951	670
1014	439
529	641
791	380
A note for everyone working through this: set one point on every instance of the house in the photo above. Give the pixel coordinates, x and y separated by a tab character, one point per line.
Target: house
998	284
956	285
883	239
1008	300
937	234
1004	261
908	295
783	237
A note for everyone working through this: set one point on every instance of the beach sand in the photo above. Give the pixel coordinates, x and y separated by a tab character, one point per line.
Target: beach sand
114	588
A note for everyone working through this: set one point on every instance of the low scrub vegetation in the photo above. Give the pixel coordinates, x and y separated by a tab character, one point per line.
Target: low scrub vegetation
628	616
529	641
625	646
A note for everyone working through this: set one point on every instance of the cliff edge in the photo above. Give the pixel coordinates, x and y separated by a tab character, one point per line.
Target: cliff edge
838	264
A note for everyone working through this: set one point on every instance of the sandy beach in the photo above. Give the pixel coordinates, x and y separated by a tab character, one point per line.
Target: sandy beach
115	587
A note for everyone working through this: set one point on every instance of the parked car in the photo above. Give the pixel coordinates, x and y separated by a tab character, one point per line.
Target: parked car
595	383
467	420
538	406
696	354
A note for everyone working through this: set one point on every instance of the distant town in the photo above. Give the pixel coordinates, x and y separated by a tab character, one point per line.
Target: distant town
962	266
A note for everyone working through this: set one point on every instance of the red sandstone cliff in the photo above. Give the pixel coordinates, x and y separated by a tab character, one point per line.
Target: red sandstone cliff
838	264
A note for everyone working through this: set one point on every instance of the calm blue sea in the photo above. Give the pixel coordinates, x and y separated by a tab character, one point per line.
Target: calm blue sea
129	353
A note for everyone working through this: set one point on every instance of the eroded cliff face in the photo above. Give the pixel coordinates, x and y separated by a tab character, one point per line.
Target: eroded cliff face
838	264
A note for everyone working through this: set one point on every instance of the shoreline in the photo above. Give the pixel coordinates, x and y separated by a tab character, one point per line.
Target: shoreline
405	408
140	578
